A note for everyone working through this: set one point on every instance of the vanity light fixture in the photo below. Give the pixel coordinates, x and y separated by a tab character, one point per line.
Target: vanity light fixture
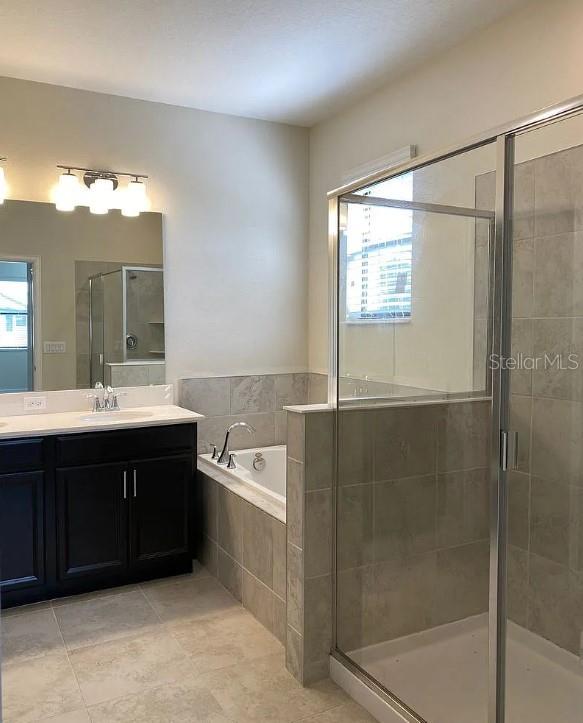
3	186
103	193
67	192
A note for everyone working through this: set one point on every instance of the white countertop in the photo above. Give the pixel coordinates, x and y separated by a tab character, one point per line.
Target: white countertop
40	425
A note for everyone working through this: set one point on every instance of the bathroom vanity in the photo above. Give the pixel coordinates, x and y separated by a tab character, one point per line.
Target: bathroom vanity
81	510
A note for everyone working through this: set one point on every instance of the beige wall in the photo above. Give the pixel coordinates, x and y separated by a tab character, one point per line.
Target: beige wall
234	196
57	240
530	59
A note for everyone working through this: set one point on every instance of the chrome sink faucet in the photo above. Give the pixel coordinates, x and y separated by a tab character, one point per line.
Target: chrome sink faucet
104	399
224	456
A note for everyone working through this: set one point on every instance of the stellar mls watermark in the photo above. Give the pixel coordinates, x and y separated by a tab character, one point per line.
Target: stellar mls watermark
520	361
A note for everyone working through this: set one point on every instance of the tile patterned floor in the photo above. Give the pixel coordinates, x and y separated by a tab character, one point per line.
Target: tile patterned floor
170	651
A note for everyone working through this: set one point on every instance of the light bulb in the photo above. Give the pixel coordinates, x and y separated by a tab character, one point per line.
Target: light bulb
67	193
3	186
100	195
135	199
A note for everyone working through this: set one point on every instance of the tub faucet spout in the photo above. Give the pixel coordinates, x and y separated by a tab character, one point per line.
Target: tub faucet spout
224	456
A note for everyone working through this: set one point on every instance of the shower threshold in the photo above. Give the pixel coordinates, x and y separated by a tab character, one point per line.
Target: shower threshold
442	674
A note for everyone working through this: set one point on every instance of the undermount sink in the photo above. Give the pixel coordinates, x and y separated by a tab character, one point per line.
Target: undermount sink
121	416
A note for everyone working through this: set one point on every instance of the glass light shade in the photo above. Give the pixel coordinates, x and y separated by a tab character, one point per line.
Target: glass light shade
67	193
135	199
100	195
2	185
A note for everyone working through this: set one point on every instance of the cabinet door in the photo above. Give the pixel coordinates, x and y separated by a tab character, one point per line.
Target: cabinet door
22	525
92	521
159	510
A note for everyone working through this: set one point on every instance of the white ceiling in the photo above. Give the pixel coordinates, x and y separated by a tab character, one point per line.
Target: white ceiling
296	61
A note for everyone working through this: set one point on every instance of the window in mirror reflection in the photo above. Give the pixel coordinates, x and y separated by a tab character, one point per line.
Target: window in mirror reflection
15	326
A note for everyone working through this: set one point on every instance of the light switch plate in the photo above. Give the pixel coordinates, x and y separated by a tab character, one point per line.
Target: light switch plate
35	403
54	347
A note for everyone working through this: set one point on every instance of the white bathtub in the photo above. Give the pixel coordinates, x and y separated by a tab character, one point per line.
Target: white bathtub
270	479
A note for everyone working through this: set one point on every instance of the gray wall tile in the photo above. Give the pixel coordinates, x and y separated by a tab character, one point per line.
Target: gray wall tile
554	340
231	523
252	394
257	556
319	450
208	555
294	654
518	509
557	430
405	442
523	273
355	525
558	279
463	436
290	389
522	347
555	606
520	422
230	574
279	619
401	596
462	507
463	576
210	508
279	557
318	533
210	396
549	520
259	600
296	435
556	195
517	585
295	502
295	587
355	446
404	517
317	619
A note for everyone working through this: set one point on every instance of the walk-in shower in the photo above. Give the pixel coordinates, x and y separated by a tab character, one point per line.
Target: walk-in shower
126	327
458	322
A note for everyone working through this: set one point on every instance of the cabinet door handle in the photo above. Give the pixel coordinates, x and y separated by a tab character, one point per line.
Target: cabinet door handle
125	484
135	484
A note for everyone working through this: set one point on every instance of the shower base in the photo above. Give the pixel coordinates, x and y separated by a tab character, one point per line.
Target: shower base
442	674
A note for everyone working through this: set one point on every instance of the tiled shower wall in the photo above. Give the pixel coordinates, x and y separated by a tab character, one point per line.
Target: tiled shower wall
546	493
412	525
258	400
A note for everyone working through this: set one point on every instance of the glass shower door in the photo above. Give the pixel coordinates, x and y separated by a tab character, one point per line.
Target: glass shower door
414	421
544	680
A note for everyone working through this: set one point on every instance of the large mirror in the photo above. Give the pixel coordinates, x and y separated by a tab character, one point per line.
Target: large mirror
81	298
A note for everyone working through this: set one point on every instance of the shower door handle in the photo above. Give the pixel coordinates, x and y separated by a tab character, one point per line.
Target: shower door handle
508	450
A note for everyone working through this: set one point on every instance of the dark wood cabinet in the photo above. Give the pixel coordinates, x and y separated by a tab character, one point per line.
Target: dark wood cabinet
22	531
159	510
103	509
92	528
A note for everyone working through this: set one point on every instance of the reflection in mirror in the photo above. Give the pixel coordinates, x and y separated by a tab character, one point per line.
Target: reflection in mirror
81	298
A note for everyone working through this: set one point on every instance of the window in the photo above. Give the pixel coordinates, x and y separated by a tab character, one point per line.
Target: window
379	255
13	314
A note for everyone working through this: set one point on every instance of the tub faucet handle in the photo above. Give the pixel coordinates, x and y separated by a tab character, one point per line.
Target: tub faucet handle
215	453
231	464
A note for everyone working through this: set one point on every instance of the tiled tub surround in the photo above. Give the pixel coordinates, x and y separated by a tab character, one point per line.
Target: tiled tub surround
412	527
258	400
545	559
244	546
309	543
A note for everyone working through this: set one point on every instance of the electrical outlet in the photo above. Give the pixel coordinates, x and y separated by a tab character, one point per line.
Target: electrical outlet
34	403
54	347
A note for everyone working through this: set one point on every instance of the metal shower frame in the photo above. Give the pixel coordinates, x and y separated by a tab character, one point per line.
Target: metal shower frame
500	321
